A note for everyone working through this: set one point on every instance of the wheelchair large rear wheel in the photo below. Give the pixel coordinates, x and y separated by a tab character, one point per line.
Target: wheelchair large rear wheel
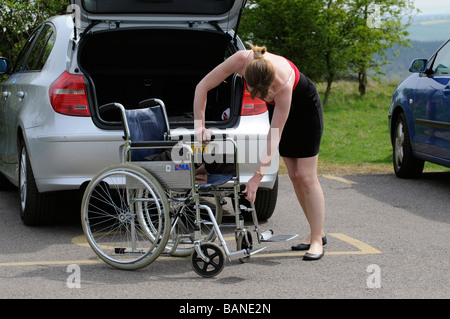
125	216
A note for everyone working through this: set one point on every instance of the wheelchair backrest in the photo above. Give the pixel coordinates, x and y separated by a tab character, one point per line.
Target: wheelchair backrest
146	124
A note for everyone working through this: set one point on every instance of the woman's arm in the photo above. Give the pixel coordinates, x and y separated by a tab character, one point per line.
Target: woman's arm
279	118
231	65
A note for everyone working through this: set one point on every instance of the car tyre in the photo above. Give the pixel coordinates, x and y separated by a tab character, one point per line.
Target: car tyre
405	164
265	202
35	208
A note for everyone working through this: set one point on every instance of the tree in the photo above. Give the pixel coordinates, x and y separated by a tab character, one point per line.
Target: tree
287	28
327	38
378	25
335	41
313	34
18	19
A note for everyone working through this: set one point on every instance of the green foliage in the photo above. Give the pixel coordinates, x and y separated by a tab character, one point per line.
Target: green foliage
356	131
355	127
328	39
288	28
18	19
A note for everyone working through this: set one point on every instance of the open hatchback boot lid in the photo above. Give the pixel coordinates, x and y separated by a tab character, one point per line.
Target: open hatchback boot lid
94	15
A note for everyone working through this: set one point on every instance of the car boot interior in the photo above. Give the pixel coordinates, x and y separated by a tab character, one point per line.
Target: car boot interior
129	66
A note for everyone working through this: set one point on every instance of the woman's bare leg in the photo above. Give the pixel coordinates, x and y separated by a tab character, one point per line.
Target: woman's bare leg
303	175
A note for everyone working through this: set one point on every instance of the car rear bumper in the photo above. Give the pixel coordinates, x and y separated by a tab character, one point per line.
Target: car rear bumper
65	159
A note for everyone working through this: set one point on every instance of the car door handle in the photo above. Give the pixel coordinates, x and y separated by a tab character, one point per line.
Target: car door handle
446	90
20	94
6	94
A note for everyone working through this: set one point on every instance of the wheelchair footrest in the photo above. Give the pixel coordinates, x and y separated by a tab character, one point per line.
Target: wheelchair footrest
268	236
255	251
244	253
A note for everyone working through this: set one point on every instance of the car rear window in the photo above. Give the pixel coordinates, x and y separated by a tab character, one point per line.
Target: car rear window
207	7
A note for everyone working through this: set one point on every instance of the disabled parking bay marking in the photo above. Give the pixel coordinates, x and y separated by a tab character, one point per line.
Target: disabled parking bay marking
362	249
340	179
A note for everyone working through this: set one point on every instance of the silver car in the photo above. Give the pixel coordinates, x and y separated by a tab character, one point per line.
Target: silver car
54	135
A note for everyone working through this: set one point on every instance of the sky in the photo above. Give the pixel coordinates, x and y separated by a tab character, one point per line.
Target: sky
433	6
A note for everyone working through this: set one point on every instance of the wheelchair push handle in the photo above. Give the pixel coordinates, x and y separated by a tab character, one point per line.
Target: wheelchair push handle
142	105
150	102
109	107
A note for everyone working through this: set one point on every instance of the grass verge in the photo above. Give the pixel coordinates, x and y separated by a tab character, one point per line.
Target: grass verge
356	134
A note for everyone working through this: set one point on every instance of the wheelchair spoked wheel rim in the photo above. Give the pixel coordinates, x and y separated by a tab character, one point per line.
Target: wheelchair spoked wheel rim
125	216
216	261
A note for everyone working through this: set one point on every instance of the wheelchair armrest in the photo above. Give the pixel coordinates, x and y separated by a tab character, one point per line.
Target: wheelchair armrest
214	137
155	144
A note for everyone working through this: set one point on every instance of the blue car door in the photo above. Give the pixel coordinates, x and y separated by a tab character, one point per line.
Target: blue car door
431	111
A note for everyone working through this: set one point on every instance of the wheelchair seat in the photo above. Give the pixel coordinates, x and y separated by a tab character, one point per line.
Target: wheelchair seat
215	180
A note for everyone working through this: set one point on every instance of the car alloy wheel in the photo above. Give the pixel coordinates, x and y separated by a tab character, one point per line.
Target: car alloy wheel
405	164
35	208
23	179
398	146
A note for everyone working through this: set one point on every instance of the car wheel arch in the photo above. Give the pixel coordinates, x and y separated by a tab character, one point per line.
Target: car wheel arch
36	208
406	165
395	115
20	140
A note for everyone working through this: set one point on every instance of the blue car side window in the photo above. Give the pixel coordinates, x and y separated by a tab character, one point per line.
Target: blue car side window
441	65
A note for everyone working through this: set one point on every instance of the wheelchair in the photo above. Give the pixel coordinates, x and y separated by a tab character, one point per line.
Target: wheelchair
151	204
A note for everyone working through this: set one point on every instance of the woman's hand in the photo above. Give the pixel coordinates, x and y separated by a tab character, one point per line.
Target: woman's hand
203	134
252	187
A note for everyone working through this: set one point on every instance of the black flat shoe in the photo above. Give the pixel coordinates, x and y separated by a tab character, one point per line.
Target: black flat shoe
307	246
309	256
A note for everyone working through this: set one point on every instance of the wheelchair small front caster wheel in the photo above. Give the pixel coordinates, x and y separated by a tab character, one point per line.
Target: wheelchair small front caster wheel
215	263
244	241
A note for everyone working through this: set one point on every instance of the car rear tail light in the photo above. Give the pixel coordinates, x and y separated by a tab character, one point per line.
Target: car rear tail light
252	106
68	95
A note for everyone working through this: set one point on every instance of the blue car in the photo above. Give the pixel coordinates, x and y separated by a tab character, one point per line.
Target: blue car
419	116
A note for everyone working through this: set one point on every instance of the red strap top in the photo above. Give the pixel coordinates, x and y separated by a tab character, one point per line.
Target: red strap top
297	73
294	68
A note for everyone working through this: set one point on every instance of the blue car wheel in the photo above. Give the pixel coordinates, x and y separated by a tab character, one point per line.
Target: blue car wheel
405	164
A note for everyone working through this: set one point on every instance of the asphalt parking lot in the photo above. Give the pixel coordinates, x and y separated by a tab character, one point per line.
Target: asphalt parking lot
387	238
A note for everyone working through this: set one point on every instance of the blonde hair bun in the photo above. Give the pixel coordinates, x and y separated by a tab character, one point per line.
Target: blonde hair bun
258	52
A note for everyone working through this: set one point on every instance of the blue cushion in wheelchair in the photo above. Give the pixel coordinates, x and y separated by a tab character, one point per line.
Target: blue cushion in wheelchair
146	125
215	180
